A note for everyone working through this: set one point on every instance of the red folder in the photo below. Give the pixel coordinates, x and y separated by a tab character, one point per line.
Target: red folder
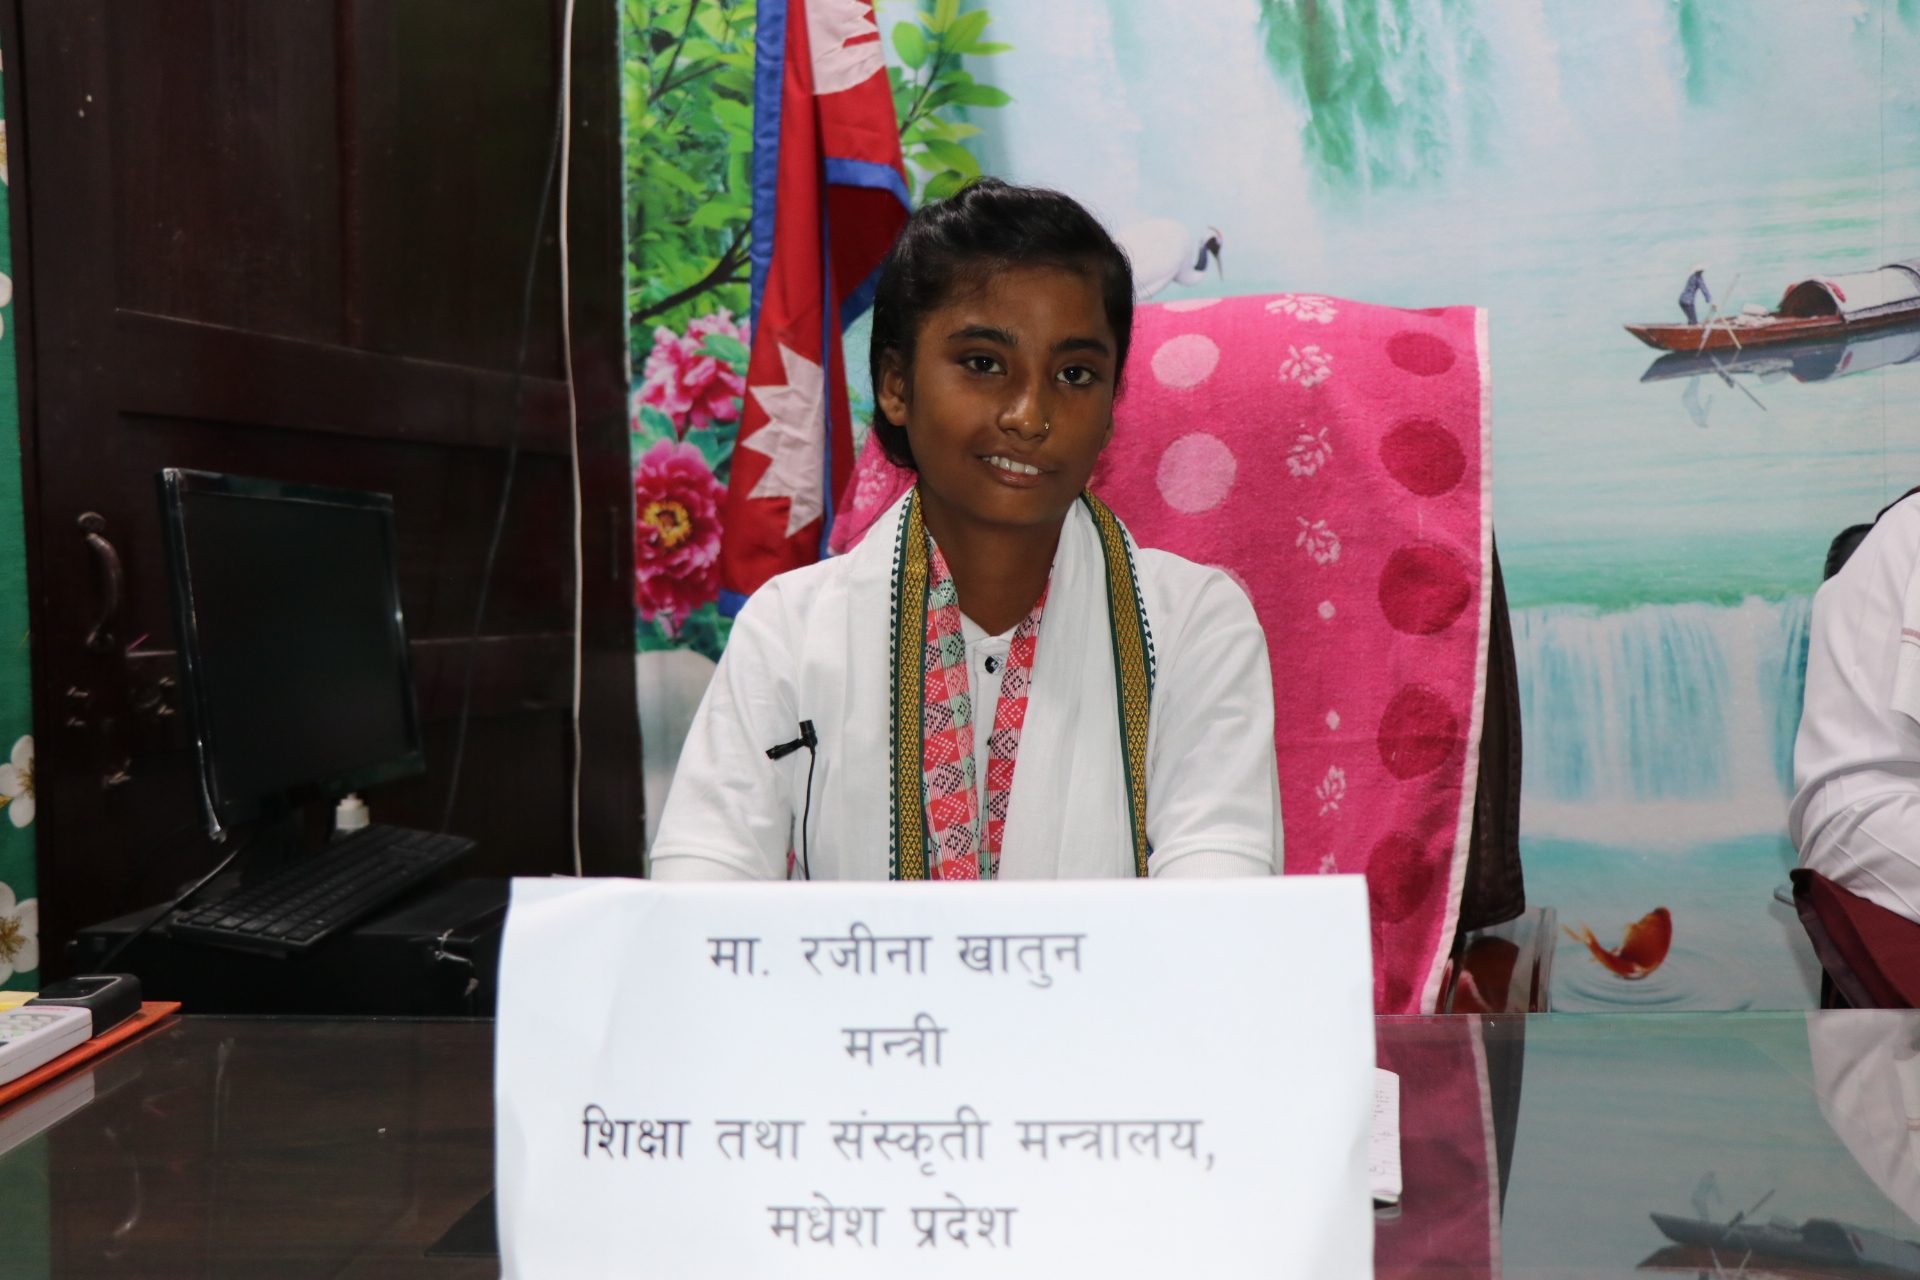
152	1014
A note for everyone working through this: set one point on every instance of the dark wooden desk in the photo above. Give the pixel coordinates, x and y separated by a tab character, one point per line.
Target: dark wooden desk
254	1147
1534	1147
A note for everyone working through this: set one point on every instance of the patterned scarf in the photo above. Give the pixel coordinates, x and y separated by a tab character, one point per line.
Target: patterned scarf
947	734
934	797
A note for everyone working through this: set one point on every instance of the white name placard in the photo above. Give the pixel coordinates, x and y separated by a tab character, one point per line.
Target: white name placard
1111	1078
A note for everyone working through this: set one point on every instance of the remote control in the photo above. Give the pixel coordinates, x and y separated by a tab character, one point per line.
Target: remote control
111	998
34	1036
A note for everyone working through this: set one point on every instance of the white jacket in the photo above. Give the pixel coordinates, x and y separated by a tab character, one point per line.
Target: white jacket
813	644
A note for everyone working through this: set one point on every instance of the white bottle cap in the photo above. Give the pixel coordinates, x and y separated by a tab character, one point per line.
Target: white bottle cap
350	814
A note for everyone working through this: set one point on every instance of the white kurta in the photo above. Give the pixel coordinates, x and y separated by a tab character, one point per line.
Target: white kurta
813	645
1855	816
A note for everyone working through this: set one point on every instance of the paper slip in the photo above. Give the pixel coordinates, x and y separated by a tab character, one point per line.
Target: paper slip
859	1082
1383	1145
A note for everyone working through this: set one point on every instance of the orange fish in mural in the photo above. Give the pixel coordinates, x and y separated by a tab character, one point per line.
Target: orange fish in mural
1642	951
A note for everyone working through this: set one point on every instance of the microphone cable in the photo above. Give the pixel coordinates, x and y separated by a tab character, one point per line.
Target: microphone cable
806	815
810	740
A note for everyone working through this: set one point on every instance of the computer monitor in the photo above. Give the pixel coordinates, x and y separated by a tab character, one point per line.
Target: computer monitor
293	648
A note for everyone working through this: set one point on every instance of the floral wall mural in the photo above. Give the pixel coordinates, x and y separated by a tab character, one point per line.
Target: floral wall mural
19	908
688	96
688	87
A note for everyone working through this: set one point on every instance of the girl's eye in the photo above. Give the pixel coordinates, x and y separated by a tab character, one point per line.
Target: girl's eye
1079	376
980	364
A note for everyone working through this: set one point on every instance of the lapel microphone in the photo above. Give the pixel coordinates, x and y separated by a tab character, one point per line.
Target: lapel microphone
807	739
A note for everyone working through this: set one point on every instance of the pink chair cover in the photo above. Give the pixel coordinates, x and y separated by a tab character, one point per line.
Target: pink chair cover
1333	457
1449	1218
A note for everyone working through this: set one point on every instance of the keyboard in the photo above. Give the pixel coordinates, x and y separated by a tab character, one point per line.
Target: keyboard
348	880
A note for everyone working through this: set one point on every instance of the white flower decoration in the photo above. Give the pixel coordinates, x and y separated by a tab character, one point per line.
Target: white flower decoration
1327	865
1309	452
1320	542
1309	365
1310	307
1331	790
16	783
19	934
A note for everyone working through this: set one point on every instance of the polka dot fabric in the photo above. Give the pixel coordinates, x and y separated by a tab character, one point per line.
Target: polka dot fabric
1332	457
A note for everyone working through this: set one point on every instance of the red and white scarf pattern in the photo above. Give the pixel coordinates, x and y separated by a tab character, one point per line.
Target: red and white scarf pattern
947	729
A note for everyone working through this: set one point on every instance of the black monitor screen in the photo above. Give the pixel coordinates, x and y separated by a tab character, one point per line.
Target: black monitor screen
293	642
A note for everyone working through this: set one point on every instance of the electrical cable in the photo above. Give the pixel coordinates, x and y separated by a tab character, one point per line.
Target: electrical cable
562	116
106	962
573	420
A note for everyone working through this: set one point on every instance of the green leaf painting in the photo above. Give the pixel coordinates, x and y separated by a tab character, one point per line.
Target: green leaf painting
933	47
720	346
687	86
910	44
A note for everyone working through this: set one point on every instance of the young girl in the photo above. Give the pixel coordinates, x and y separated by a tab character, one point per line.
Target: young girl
999	682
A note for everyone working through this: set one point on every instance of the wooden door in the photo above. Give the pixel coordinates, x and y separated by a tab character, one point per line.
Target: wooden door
288	238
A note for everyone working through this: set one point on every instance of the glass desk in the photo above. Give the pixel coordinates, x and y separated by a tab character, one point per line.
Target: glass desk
1533	1147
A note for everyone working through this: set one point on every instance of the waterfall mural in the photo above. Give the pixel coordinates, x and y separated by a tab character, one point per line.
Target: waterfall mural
1675	721
1376	85
1565	165
1659	764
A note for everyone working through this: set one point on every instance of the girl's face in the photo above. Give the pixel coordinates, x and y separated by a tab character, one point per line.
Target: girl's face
1010	398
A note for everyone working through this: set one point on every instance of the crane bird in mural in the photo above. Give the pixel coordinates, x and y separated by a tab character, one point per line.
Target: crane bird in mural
1163	252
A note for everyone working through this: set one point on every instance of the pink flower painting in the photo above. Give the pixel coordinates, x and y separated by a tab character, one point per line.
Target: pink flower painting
676	532
694	391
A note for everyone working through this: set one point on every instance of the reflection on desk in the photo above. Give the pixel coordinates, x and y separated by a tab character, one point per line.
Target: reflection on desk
253	1147
1533	1147
1654	1145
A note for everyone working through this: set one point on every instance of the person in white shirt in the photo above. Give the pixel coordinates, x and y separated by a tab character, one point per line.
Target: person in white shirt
996	682
1855	816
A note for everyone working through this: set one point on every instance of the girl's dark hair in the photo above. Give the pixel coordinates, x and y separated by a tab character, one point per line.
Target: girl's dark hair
958	243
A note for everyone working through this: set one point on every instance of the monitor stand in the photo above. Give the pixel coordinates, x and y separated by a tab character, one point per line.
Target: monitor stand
277	842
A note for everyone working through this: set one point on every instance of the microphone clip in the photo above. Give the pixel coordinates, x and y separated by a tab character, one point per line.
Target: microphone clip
807	739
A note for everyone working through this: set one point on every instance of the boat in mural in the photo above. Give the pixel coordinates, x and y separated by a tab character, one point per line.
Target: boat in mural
1803	360
1780	1246
1820	308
